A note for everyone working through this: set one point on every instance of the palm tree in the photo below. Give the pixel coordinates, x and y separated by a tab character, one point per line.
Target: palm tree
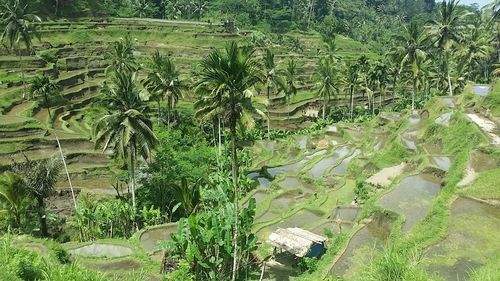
225	82
477	46
126	128
352	84
39	179
18	27
142	8
163	80
379	77
412	53
12	193
44	87
329	81
273	80
290	73
446	30
121	56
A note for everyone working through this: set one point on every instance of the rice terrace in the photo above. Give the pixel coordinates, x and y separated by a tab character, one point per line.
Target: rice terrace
249	140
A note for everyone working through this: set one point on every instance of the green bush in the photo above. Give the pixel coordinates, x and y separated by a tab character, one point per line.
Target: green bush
182	273
361	190
308	264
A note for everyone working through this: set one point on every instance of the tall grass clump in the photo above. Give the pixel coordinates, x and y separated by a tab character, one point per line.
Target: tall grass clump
21	264
395	264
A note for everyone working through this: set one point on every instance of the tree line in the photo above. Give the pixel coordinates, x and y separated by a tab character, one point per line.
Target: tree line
232	87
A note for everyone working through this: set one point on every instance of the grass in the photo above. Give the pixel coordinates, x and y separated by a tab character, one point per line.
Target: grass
492	100
485	186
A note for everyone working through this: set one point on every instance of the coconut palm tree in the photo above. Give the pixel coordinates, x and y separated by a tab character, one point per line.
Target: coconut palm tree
42	86
290	74
352	83
379	77
329	82
18	28
477	46
121	56
412	53
163	81
12	193
39	179
126	128
447	30
274	81
225	84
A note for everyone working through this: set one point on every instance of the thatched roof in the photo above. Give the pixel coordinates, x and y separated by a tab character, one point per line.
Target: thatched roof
295	240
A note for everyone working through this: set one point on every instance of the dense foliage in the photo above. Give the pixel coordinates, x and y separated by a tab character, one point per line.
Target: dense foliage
367	21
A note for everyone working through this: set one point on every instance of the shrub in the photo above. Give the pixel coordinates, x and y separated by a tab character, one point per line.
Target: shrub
361	189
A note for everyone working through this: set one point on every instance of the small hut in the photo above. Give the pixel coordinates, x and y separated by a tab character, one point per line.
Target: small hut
299	242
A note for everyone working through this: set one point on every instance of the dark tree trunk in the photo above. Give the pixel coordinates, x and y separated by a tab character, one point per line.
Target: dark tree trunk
42	216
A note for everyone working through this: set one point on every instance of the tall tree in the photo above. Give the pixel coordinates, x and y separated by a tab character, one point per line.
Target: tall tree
290	73
121	56
18	28
225	82
412	52
42	86
163	81
329	82
379	78
39	178
126	128
352	83
447	30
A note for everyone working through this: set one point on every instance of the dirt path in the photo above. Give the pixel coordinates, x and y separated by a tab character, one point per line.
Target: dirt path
487	126
386	175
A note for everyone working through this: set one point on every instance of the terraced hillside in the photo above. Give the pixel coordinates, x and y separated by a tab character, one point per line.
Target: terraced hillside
401	182
74	54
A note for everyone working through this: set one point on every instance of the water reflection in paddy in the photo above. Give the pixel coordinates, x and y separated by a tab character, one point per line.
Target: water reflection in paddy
412	197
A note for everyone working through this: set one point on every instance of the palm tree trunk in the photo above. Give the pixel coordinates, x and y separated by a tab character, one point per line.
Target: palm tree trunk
352	102
220	138
43	219
131	167
414	93
22	73
234	164
450	89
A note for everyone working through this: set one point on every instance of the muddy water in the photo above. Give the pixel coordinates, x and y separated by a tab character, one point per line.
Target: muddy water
481	90
472	240
333	227
279	205
150	237
295	183
449	102
441	162
340	169
102	250
294	168
263	182
318	170
345	213
481	161
412	198
125	264
302	141
363	245
303	219
444	119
